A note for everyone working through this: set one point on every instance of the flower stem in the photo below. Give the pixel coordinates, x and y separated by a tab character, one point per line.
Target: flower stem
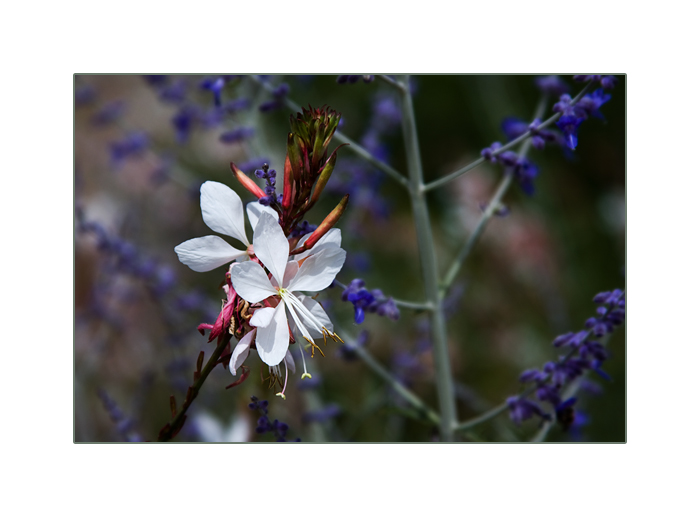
399	388
338	135
429	268
391	81
551	120
171	429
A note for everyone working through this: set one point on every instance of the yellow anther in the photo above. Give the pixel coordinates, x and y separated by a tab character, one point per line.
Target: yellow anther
284	397
337	336
305	375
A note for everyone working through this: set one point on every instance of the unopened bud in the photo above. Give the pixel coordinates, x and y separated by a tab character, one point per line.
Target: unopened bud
247	183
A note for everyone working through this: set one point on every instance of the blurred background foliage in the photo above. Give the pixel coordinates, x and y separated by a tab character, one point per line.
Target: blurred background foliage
531	277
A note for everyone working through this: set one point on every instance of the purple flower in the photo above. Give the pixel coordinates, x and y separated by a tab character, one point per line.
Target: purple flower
236	135
487	152
366	301
585	355
606	81
552	85
215	85
351	79
569	125
108	113
323	414
590	103
264	425
174	93
184	121
236	105
523	409
277	102
85	95
133	144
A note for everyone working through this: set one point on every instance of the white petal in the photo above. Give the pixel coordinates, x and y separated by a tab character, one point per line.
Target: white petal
206	253
330	240
289	360
271	246
316	309
318	271
240	353
250	281
255	210
222	210
262	317
290	272
272	341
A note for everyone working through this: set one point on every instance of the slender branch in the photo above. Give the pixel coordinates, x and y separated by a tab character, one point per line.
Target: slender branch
391	81
429	269
173	427
338	135
551	120
426	306
488	415
490	210
399	388
471	241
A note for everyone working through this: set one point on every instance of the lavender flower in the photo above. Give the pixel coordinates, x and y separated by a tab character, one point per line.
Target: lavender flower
278	95
236	135
270	176
277	428
108	113
215	86
606	81
574	115
133	144
123	425
585	355
351	79
366	301
552	85
322	415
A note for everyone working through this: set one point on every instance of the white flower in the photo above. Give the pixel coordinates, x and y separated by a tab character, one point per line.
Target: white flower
311	273
240	354
222	211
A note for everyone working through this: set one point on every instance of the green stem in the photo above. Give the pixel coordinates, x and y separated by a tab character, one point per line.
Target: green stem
399	388
390	81
338	135
488	415
426	248
490	210
551	120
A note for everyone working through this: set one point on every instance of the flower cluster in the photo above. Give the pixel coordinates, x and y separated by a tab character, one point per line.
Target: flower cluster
277	428
585	355
270	177
514	127
277	101
522	169
124	425
352	79
372	301
267	281
133	144
573	115
552	85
